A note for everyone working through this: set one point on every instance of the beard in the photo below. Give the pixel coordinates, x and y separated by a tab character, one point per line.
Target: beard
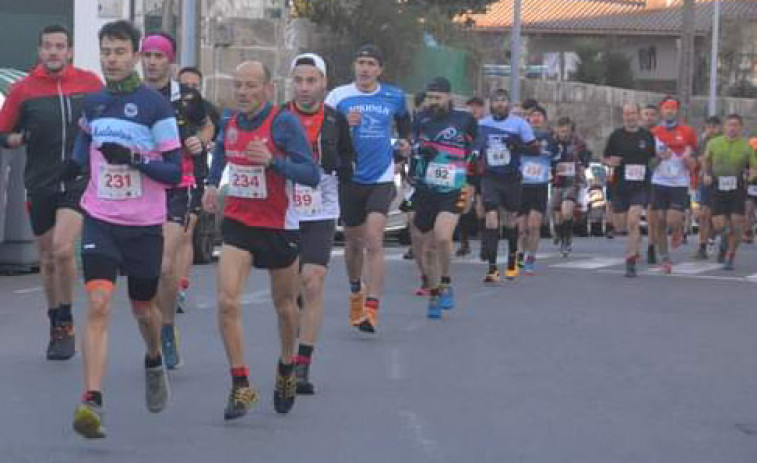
437	111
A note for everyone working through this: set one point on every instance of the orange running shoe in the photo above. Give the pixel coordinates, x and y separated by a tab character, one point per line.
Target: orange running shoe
357	311
370	320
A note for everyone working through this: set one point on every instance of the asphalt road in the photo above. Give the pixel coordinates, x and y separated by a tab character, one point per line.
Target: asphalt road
575	364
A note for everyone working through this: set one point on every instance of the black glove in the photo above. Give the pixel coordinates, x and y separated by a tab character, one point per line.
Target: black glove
116	154
69	170
428	152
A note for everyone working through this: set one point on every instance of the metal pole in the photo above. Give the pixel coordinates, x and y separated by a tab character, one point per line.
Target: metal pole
515	43
712	104
188	33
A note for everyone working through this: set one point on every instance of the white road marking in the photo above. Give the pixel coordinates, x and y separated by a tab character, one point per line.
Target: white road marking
419	432
691	268
590	264
28	290
674	275
394	365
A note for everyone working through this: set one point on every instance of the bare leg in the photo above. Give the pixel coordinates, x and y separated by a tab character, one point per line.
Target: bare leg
233	270
68	225
285	284
374	247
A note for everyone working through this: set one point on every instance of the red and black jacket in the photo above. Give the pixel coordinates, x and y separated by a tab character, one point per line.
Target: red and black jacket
46	108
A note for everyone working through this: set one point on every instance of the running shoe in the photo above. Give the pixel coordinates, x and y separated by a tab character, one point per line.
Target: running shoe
241	400
285	392
446	297
434	311
421	291
521	260
370	320
408	255
88	420
62	345
529	265
631	267
169	343
181	301
700	253
492	276
357	301
464	250
302	372
512	268
157	391
722	250
565	249
666	267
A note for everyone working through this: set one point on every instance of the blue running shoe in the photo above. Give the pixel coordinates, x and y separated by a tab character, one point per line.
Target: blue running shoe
170	347
434	309
446	297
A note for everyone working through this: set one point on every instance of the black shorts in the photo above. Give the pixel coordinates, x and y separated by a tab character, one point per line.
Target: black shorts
316	242
43	207
670	197
358	200
270	248
534	198
502	193
624	198
177	205
429	204
705	193
729	202
137	250
560	194
195	199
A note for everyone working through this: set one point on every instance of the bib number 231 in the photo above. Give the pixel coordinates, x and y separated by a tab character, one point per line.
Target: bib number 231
119	182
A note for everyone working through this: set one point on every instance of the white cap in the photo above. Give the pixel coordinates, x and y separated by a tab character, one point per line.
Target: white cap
311	59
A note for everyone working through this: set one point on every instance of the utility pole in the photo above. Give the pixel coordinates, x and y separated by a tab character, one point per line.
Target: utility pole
515	44
167	19
686	57
189	32
712	103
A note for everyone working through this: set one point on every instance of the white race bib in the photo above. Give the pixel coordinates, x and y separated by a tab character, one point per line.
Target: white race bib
307	201
247	182
566	169
533	170
442	175
670	168
635	172
752	190
727	183
498	155
118	182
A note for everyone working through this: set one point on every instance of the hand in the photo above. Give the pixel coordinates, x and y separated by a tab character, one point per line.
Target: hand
116	154
403	146
210	199
193	145
707	179
69	171
354	117
257	152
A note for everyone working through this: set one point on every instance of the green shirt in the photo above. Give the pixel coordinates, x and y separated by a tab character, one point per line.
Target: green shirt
730	157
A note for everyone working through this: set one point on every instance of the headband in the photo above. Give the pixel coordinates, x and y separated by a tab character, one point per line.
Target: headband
669	104
159	43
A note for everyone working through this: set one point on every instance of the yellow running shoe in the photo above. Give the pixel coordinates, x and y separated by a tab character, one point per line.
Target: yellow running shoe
88	419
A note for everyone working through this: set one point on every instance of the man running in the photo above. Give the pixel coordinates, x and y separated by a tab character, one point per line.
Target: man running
196	130
371	107
266	151
728	162
444	138
630	151
502	138
130	141
42	111
713	128
192	77
317	209
676	147
567	178
535	171
650	118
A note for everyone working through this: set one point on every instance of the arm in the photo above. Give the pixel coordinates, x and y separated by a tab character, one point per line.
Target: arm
346	150
219	156
298	165
166	170
10	136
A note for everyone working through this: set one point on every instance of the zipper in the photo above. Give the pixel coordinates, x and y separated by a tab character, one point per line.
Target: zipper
61	98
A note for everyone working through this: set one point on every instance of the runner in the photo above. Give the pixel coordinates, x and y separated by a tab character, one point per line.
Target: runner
130	141
502	138
728	162
415	252
444	139
41	112
196	131
535	172
713	128
371	106
676	146
650	117
192	77
473	215
629	151
567	178
317	208
266	150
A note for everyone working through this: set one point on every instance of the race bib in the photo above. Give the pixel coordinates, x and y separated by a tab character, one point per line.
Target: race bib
566	169
498	156
118	182
670	169
752	190
441	175
247	182
727	183
307	201
534	171
635	172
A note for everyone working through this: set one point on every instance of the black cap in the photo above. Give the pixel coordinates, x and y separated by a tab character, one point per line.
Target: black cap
500	94
439	84
475	101
370	51
538	109
529	104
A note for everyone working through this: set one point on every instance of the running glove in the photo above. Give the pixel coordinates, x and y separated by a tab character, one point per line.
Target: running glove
116	154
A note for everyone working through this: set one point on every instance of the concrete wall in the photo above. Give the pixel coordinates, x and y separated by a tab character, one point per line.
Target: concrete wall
87	22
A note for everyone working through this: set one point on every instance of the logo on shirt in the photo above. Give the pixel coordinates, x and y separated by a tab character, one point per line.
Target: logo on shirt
450	133
130	110
642	145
